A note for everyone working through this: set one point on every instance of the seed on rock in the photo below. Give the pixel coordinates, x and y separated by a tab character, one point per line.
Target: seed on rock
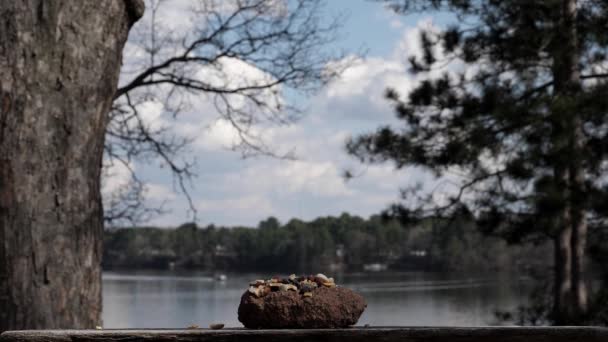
306	288
275	286
216	326
260	308
258	282
319	281
288	287
322	276
309	282
256	291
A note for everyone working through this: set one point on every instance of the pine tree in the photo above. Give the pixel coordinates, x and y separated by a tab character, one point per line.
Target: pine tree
520	111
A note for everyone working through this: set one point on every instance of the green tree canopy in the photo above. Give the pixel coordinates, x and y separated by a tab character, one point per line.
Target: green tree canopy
519	111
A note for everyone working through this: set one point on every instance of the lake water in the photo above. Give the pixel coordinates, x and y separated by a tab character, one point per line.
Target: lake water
174	300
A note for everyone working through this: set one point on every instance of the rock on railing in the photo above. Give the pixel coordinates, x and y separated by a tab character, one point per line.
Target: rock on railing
358	334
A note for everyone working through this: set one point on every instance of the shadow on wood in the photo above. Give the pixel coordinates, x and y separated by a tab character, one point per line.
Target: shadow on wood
385	334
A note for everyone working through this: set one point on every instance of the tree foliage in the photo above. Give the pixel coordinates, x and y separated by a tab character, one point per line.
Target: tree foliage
518	113
348	242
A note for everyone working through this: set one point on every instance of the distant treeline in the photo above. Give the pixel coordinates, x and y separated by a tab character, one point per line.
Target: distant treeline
347	242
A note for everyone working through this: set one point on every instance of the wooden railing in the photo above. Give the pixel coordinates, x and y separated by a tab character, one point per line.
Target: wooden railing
359	334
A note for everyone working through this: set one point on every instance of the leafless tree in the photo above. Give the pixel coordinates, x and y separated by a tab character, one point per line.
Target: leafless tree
286	41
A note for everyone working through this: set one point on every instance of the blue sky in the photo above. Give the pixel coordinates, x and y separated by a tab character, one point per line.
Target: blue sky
372	26
231	191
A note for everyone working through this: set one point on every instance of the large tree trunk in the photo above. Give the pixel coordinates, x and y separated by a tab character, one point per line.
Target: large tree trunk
59	66
563	279
578	241
570	290
562	261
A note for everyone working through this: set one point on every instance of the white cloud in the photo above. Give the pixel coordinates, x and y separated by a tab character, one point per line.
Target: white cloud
271	8
362	76
363	84
116	176
151	114
288	178
235	73
159	192
410	40
173	22
230	191
232	72
240	210
216	136
172	16
199	119
318	178
241	203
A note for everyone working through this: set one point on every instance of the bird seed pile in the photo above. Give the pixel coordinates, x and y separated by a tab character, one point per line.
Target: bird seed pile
304	285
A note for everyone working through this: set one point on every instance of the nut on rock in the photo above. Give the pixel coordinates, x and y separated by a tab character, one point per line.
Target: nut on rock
305	302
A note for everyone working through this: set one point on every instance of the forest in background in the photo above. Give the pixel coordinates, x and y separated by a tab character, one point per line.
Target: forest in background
344	243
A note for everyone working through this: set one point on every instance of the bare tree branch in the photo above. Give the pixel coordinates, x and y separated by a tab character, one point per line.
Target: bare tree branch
282	42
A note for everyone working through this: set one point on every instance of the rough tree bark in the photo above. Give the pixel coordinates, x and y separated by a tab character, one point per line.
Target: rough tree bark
59	66
579	227
562	271
570	243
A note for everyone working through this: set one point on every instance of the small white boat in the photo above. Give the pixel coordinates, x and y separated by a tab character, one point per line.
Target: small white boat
220	277
376	267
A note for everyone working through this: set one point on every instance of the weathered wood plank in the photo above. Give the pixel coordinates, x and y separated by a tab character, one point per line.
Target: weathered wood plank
359	334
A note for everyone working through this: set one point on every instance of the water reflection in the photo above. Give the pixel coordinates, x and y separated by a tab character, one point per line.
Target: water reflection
170	300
